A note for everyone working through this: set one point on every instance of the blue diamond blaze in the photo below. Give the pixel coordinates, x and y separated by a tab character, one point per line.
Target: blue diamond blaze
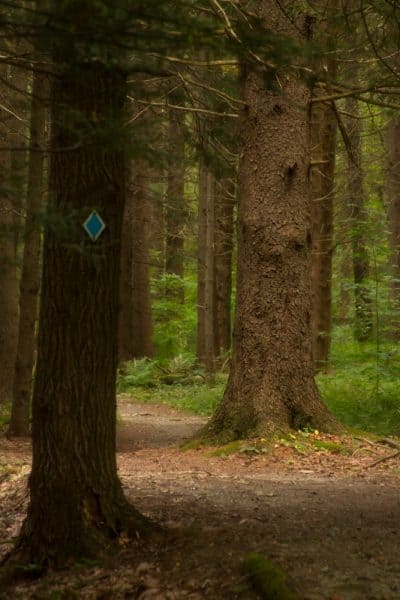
94	226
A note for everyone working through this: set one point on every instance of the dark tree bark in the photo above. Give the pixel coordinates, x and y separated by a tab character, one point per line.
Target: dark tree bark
271	384
224	208
126	349
205	276
393	194
77	506
363	326
323	146
142	322
30	276
8	272
175	213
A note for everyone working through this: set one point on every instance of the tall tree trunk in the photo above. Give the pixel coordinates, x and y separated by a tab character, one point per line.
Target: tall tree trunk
357	215
224	208
142	322
175	198
201	258
77	506
205	275
323	146
8	272
125	320
271	384
393	193
30	276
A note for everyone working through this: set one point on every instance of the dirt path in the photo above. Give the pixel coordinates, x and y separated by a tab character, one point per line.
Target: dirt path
330	522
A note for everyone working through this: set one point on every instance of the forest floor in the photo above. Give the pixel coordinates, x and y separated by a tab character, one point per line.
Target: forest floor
323	514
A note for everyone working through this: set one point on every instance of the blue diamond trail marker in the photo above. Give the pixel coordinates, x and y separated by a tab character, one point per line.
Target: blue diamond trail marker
94	226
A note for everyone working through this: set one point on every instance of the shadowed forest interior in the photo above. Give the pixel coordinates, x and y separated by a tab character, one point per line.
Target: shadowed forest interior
199	299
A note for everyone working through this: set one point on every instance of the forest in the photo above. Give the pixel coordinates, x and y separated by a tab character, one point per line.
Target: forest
199	299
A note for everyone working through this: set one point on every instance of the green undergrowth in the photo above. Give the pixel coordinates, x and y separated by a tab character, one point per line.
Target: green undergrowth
361	387
178	383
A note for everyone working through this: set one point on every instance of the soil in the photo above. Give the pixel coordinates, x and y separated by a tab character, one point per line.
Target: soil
329	520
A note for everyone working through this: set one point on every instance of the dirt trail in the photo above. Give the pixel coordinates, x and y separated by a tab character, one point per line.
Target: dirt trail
333	525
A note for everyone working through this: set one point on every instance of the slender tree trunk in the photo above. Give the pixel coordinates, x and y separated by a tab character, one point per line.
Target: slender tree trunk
224	208
175	198
357	215
323	146
271	384
209	350
125	320
393	193
77	506
201	259
8	272
205	277
345	273
30	276
142	322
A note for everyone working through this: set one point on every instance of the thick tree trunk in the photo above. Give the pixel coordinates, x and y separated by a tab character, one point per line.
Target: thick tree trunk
393	193
175	198
224	208
8	272
357	215
323	146
271	384
142	322
77	506
30	276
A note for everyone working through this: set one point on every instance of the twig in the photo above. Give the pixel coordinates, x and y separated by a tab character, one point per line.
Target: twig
376	462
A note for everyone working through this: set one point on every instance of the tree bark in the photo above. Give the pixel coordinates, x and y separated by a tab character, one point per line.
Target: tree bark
205	274
30	276
175	198
126	350
271	384
224	208
8	272
363	327
77	507
393	193
323	146
142	322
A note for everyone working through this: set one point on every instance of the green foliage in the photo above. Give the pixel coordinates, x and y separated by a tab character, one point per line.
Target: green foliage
174	323
362	389
180	383
266	578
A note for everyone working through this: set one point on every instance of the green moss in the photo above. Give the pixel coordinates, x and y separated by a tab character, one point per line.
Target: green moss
334	447
193	444
267	579
228	449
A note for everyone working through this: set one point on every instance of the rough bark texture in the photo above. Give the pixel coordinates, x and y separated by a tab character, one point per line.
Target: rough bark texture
393	193
8	272
201	259
175	213
224	208
142	323
205	277
77	506
30	276
271	384
357	216
323	146
125	321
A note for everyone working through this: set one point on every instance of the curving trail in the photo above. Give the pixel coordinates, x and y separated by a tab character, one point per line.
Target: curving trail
331	523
